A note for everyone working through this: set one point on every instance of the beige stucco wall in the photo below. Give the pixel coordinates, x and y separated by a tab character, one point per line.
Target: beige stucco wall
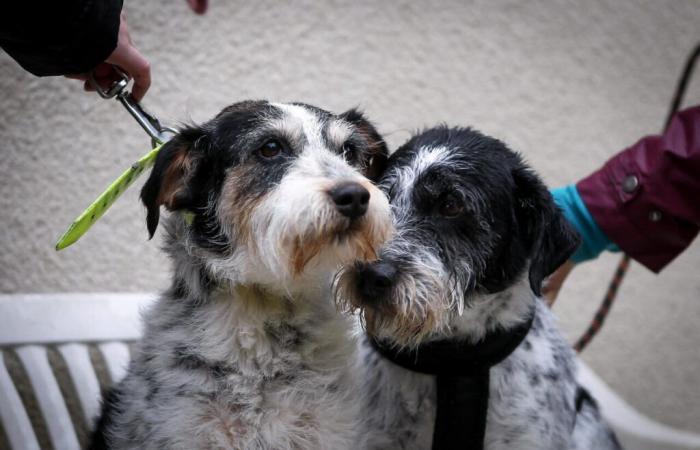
567	83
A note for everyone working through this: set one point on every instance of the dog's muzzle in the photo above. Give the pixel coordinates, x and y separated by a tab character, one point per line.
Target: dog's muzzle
375	280
351	199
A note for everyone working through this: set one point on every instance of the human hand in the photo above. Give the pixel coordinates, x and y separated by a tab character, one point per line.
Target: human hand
593	240
552	285
198	6
127	57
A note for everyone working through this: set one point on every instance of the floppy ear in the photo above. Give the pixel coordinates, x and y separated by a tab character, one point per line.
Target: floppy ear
168	183
544	229
378	151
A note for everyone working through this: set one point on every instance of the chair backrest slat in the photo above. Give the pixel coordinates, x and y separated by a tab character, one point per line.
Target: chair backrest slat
48	395
116	355
77	358
59	318
14	417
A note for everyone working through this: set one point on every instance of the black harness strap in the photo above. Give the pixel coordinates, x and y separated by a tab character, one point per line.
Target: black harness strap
462	374
462	402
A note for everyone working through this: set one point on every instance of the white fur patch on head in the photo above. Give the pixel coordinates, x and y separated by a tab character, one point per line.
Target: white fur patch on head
338	132
405	177
427	156
298	118
294	233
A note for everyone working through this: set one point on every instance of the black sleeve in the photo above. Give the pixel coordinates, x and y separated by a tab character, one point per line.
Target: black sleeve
59	37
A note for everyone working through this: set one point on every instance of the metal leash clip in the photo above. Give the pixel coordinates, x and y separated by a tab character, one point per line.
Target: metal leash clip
158	133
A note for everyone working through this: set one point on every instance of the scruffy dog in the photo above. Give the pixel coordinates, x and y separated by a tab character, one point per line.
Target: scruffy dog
246	350
461	352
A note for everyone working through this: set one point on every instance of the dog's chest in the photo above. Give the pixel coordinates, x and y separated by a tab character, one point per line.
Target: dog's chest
223	382
313	411
530	397
399	406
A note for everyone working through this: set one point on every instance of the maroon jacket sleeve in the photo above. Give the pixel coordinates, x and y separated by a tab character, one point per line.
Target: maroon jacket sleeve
646	199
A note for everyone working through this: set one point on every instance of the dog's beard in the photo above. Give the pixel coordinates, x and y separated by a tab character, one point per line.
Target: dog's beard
341	245
420	304
306	236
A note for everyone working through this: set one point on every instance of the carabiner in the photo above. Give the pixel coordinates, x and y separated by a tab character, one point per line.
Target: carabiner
158	133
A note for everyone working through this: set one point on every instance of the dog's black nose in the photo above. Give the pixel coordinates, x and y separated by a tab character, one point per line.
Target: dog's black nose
351	199
376	279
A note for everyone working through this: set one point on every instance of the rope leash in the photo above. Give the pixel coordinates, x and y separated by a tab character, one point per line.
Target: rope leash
610	295
159	135
602	312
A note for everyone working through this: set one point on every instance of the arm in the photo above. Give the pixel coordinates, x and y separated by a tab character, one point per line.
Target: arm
60	37
646	199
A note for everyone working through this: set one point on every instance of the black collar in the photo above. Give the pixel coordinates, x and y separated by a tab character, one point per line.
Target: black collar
462	370
457	357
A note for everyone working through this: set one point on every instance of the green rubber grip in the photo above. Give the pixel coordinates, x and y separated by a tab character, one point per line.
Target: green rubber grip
97	209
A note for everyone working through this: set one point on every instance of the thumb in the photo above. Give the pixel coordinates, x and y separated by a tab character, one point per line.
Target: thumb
138	68
554	283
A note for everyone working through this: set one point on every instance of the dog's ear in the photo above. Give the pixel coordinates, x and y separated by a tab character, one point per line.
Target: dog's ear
378	152
543	227
167	184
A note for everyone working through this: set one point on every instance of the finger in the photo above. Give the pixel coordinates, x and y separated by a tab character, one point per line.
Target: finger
103	69
104	74
550	296
198	6
105	81
133	63
550	291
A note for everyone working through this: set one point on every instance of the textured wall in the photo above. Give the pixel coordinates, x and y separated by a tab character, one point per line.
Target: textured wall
567	83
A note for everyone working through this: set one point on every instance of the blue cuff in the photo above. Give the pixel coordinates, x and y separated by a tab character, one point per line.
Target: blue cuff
593	240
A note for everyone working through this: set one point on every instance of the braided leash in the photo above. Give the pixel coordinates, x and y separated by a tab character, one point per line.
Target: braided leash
602	312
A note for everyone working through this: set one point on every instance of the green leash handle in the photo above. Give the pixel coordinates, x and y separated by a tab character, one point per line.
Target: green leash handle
158	134
97	209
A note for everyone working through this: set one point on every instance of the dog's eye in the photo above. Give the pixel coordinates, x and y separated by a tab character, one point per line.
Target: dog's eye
348	150
270	149
451	207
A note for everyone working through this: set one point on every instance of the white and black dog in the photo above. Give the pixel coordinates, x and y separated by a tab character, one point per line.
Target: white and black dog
246	350
462	353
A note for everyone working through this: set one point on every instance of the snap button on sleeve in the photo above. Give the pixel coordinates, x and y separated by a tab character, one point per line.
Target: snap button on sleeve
630	183
655	216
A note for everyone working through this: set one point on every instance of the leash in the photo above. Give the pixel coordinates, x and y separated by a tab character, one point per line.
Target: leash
611	294
462	372
159	135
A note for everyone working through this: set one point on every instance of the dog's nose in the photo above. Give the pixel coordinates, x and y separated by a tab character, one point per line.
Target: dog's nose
351	199
376	279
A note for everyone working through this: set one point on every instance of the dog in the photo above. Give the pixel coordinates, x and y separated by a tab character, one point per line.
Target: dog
461	351
246	349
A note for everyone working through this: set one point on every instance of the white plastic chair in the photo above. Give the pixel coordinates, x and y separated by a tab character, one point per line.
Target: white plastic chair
28	323
635	430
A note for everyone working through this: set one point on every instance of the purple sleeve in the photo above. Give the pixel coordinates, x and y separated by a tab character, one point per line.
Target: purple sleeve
646	199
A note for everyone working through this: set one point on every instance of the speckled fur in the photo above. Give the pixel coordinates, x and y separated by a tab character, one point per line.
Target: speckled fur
531	399
244	351
227	374
459	276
